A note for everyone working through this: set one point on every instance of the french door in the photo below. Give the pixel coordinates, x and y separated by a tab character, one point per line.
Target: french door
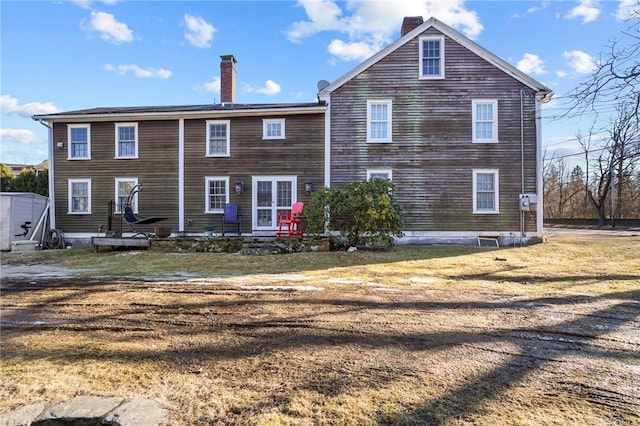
271	196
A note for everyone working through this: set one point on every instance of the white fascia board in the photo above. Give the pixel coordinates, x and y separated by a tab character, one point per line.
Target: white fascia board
174	115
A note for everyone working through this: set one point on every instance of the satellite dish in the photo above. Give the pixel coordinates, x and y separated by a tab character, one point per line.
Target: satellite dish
322	84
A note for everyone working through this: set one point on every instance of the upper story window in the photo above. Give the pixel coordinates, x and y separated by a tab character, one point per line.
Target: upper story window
218	138
485	120
273	128
379	121
79	141
79	196
485	191
123	187
216	193
385	174
127	140
432	57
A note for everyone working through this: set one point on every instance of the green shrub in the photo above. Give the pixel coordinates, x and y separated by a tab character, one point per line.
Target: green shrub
362	213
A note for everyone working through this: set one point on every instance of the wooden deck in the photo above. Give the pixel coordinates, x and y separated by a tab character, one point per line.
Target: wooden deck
119	242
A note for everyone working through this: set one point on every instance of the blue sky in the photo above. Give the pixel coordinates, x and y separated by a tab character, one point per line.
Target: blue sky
68	55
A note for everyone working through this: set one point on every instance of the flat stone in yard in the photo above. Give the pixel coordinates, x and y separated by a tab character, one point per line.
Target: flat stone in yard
88	411
22	416
137	412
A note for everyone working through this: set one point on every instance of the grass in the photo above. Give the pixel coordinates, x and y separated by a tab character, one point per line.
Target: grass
546	334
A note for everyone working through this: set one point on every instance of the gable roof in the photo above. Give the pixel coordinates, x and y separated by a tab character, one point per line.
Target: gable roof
499	63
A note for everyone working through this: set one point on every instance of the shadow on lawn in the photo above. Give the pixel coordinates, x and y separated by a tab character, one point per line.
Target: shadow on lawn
539	345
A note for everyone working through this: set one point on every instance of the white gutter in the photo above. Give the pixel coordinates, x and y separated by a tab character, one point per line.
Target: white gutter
132	115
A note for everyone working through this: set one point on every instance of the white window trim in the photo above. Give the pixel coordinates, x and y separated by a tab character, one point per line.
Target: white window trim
494	124
496	181
421	75
69	147
208	179
135	126
117	182
370	172
228	124
389	104
267	121
70	196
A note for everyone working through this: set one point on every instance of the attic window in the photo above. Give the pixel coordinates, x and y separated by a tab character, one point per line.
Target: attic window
432	57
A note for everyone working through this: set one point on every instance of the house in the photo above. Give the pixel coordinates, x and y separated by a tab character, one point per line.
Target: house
456	128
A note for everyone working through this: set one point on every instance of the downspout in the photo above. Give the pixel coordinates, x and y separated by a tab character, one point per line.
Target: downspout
523	232
539	179
181	175
327	139
52	194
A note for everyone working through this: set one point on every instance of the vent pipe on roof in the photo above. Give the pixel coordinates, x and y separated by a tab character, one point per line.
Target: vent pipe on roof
410	23
228	79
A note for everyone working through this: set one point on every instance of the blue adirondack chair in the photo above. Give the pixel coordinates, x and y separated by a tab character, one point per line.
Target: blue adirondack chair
231	217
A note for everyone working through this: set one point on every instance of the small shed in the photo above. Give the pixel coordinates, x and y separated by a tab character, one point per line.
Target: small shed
18	209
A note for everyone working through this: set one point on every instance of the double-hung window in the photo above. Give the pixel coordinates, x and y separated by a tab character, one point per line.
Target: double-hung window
485	191
273	128
123	188
79	196
126	140
379	119
218	138
485	120
431	57
79	141
216	193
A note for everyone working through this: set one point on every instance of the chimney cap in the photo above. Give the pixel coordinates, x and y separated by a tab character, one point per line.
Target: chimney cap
230	58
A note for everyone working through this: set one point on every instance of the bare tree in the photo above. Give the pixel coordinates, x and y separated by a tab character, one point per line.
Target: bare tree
616	76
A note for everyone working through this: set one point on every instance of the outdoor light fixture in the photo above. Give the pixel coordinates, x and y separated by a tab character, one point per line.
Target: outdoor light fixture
60	144
308	186
239	187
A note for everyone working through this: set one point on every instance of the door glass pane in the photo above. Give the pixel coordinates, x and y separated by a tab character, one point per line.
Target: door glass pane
264	194
284	194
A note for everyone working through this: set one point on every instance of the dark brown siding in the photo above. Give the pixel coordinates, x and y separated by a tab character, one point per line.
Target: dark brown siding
301	154
432	154
156	169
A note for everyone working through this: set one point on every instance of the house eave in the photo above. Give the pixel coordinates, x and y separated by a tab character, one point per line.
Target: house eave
541	90
159	115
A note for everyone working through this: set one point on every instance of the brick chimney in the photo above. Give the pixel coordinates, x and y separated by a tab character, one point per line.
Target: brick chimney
228	79
409	23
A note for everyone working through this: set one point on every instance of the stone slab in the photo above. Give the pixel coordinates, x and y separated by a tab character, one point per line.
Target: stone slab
137	412
23	416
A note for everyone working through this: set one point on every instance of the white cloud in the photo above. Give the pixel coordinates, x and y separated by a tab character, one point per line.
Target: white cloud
628	9
10	105
109	28
357	51
579	61
199	32
531	64
138	71
369	25
213	85
561	74
271	88
588	10
20	136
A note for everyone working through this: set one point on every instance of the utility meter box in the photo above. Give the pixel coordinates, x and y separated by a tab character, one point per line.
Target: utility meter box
528	202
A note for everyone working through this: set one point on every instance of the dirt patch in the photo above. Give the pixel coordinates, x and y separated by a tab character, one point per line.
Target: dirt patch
349	354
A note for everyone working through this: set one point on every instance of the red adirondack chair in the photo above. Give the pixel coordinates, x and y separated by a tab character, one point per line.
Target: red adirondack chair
292	220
